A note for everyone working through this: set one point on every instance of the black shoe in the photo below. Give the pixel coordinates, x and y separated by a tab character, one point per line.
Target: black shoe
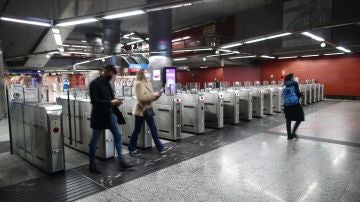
124	164
290	138
135	152
295	135
165	150
93	169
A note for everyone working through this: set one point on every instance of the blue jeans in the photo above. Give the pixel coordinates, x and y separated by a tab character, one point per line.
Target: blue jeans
114	128
139	121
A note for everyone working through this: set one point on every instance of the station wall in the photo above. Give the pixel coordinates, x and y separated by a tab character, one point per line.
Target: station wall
341	75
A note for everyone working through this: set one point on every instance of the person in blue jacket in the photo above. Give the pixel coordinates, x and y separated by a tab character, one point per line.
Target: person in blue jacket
295	111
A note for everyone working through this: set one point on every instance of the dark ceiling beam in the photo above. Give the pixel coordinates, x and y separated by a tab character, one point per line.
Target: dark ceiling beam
6	4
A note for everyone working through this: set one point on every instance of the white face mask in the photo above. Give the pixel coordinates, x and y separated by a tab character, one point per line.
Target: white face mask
296	79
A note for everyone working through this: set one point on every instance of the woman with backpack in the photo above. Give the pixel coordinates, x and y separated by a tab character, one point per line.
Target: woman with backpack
292	107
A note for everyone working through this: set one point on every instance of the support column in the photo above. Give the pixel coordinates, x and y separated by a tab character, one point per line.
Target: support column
111	38
160	28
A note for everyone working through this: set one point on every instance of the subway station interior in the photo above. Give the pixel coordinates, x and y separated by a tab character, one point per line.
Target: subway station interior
223	79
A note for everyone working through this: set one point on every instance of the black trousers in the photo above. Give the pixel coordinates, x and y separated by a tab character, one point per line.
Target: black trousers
288	128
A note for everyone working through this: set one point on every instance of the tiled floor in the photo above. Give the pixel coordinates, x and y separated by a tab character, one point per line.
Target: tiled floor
263	167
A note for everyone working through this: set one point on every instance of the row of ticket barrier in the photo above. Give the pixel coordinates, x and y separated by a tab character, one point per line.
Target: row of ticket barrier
40	130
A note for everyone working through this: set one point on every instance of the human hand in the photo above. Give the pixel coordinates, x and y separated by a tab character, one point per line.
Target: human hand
116	102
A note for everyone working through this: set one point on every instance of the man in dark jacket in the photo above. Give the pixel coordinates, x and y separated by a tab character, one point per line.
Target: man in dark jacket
103	116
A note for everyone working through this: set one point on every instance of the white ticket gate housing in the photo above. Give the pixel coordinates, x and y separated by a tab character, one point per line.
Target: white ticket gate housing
192	113
268	101
245	105
304	91
278	101
214	109
37	135
309	94
258	103
144	138
313	92
318	92
321	91
168	117
231	107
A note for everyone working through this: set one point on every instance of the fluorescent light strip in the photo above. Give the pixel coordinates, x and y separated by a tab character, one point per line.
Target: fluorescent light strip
269	37
242	57
334	54
308	56
77	22
30	22
58	39
266	56
232	45
55	31
343	49
168	7
225	50
209	56
181	39
287	57
316	38
204	67
135	42
124	14
180	59
189	50
127	35
78	53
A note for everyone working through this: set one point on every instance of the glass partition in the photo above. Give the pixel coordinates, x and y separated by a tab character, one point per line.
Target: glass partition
193	87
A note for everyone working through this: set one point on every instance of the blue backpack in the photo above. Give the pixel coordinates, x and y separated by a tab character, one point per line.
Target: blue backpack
290	97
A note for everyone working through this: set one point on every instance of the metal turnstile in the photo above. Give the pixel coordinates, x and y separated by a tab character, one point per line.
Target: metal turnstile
304	90
278	101
258	103
268	101
231	107
144	138
309	93
192	113
245	105
168	117
37	135
321	91
214	109
318	92
77	128
313	93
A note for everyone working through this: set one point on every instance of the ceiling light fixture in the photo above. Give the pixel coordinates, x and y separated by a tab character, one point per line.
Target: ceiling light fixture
242	57
269	37
135	42
327	54
124	14
84	41
127	35
180	59
323	45
308	56
268	57
181	39
76	22
287	57
204	67
343	49
316	38
30	22
168	7
232	45
209	56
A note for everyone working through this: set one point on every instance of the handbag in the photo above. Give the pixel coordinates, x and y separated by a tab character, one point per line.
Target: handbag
119	116
149	112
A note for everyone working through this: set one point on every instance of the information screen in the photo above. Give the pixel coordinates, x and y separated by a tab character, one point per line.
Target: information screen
170	80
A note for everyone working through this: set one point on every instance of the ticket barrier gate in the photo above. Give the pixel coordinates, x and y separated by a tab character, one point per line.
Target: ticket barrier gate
144	138
192	113
77	128
278	101
258	103
309	94
245	105
313	93
214	109
318	92
231	107
304	90
37	135
321	91
168	117
268	101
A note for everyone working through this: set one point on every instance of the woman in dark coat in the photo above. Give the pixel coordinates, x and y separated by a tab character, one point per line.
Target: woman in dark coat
293	112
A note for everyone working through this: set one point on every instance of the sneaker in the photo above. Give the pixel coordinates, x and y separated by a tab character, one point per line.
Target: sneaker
135	152
124	164
93	169
165	150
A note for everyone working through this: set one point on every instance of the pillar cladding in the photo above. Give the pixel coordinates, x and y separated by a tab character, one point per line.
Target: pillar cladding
2	87
111	38
160	27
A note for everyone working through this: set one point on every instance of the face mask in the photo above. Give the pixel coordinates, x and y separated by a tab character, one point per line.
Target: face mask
296	79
